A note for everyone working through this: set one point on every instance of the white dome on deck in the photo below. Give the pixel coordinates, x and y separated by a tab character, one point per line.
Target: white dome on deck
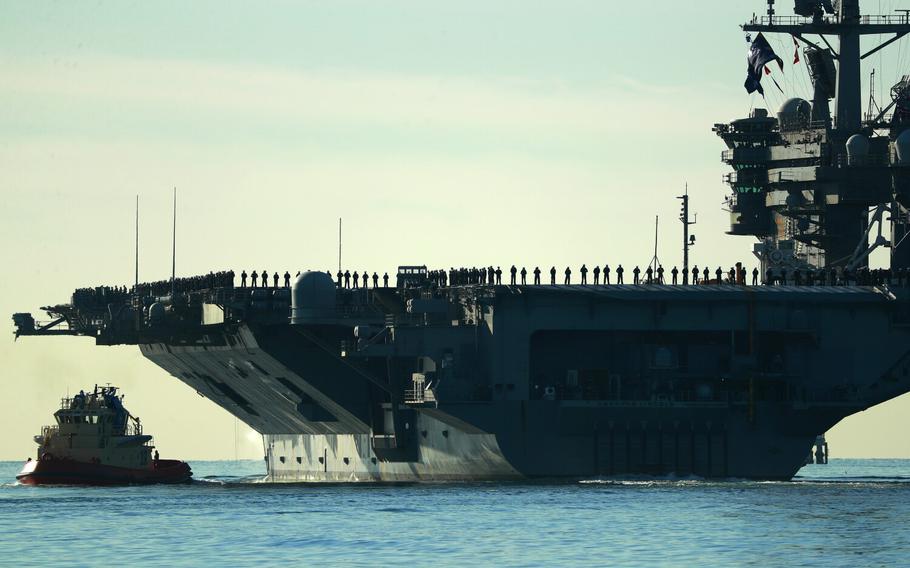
857	149
795	106
312	297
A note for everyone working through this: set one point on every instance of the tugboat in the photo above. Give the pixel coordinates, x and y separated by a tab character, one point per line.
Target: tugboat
96	441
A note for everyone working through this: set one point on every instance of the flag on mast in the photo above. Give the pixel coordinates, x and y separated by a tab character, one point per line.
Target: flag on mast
760	53
795	51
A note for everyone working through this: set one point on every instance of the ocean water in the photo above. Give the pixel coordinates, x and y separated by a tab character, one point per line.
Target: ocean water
847	513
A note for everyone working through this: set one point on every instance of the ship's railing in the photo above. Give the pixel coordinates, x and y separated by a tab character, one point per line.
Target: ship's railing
843	160
89	402
789	20
49	431
800	124
874	19
884	19
419	395
752	176
133	429
745	154
72	403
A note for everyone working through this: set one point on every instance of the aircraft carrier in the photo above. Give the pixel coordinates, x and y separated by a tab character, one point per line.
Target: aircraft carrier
433	378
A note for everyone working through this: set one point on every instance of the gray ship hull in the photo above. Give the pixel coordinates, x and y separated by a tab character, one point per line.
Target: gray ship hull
321	420
626	447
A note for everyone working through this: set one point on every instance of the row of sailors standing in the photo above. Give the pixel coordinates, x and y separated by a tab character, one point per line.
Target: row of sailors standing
651	275
490	275
99	296
255	279
102	295
345	279
493	276
224	278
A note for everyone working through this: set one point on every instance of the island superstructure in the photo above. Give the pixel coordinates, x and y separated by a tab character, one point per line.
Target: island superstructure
430	380
805	181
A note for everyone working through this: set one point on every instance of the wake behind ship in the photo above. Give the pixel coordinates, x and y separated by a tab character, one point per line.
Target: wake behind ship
452	375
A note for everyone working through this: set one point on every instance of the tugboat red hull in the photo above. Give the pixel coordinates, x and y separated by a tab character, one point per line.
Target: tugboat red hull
71	472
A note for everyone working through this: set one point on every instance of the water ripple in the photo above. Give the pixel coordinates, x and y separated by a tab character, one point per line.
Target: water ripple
848	513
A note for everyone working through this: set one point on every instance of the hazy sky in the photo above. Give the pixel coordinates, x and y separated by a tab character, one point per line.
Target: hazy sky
457	133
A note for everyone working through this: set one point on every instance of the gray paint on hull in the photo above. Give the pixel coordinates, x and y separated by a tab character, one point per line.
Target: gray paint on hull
848	338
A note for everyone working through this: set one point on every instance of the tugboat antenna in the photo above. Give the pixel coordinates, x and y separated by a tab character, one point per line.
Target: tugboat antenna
339	244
